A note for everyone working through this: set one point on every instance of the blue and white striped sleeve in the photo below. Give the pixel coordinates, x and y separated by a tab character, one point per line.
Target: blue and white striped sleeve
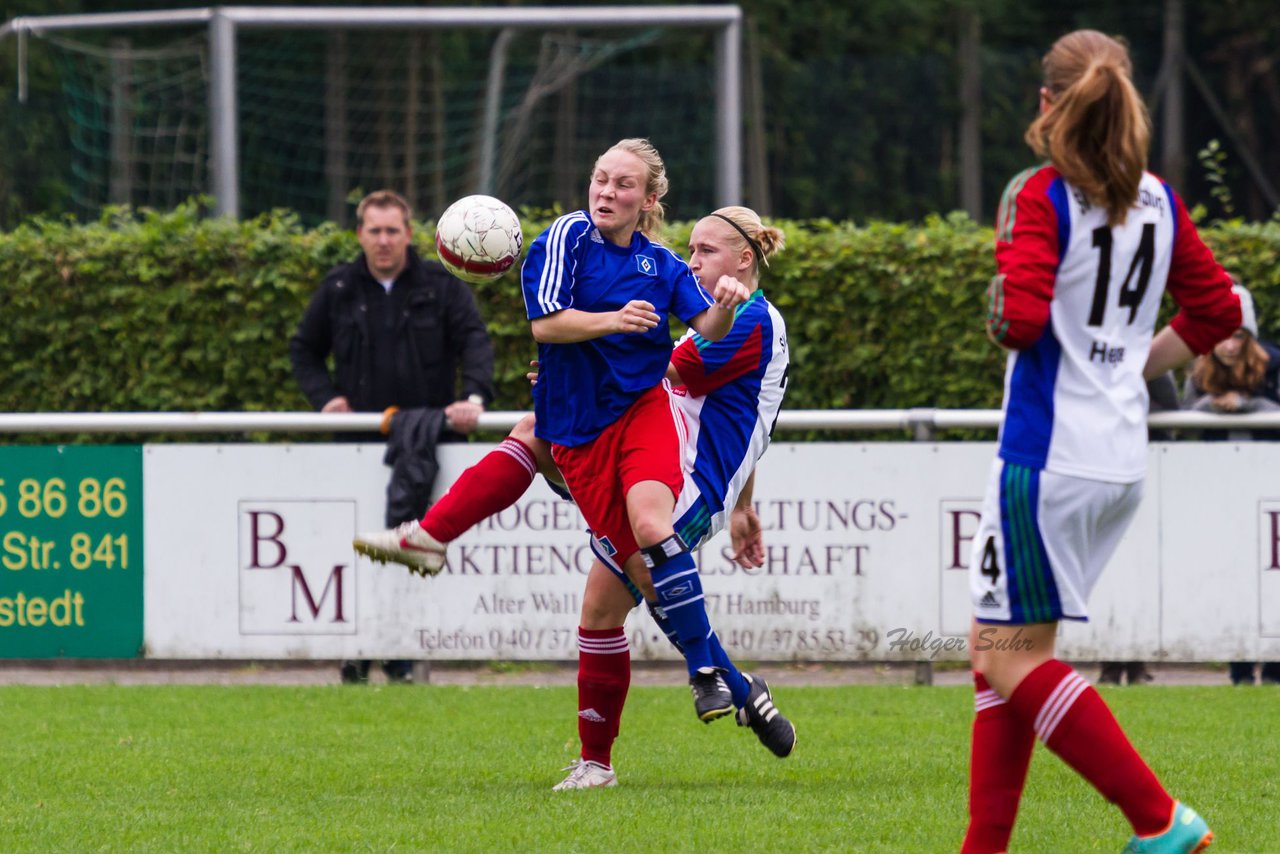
548	272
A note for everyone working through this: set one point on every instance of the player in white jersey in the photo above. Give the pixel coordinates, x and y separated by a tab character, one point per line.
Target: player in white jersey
1085	247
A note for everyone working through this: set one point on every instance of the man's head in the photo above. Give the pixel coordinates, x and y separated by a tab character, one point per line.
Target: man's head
382	227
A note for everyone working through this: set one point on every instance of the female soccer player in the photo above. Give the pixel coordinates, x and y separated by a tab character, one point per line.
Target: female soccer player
1085	247
598	293
730	392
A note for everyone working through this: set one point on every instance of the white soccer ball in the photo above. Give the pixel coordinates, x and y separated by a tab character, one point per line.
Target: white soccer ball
478	238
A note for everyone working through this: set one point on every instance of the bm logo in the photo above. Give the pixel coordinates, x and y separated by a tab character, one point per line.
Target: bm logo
296	562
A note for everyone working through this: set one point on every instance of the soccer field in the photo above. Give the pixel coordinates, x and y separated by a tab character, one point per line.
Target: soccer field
428	768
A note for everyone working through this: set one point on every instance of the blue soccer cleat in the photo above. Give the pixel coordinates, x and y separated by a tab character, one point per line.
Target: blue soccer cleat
1187	834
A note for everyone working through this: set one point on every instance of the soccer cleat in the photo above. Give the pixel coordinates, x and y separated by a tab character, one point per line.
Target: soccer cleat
711	696
585	774
406	544
774	731
1187	834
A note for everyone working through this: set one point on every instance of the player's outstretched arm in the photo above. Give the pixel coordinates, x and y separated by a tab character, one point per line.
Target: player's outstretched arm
1168	351
570	326
715	323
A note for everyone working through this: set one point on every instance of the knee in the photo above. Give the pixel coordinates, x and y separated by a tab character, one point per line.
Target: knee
601	612
644	583
523	431
651	528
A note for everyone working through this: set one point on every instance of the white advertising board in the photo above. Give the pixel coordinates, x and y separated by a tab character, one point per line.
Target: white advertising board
248	555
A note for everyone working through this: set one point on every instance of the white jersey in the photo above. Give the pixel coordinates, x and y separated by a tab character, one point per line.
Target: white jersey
1075	399
731	394
733	390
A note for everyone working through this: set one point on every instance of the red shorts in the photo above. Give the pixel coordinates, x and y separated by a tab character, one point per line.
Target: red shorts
646	443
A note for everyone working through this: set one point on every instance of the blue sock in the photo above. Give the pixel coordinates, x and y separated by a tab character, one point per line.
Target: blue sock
737	685
660	617
680	595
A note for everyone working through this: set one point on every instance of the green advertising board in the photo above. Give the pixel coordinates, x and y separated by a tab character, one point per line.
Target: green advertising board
71	551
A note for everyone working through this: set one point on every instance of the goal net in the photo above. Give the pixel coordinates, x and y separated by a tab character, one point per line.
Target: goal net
138	122
325	115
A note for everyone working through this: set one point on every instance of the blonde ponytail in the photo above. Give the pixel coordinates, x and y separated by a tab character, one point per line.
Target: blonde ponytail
763	240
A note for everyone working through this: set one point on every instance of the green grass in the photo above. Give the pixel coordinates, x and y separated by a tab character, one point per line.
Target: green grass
427	768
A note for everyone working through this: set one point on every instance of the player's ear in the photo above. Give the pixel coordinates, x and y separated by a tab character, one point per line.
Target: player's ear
1046	99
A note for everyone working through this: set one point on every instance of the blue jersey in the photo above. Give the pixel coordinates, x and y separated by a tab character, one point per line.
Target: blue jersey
733	393
584	387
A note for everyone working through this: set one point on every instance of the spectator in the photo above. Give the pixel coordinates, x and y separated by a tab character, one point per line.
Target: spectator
1135	671
1162	394
400	330
1242	672
1239	375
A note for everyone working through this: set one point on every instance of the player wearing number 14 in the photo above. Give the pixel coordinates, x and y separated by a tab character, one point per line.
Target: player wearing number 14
1075	299
1085	247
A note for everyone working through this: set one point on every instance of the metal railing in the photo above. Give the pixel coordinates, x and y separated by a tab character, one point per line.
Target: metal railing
922	423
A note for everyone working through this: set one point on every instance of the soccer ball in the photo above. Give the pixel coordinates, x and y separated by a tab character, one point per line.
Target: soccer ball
478	238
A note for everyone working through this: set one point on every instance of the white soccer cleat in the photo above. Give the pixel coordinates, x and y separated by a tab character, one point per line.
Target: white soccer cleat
406	544
585	774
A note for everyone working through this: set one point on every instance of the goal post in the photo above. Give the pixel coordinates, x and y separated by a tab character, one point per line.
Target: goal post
226	23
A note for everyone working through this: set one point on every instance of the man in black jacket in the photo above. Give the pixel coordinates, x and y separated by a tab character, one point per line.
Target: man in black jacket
401	331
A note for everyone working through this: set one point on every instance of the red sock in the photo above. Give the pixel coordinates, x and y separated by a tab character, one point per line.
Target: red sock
1074	722
604	675
491	485
999	758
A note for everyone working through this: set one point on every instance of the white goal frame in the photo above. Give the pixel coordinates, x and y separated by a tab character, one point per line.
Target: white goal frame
224	23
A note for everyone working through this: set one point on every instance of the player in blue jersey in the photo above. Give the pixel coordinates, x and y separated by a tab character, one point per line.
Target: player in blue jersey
730	393
1086	244
598	293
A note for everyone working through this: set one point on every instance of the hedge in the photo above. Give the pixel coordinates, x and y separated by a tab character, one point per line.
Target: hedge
175	311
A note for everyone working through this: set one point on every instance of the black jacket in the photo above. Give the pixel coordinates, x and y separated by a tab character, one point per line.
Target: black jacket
402	348
411	453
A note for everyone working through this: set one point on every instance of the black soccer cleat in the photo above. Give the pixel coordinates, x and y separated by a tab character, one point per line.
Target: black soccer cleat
774	731
711	696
